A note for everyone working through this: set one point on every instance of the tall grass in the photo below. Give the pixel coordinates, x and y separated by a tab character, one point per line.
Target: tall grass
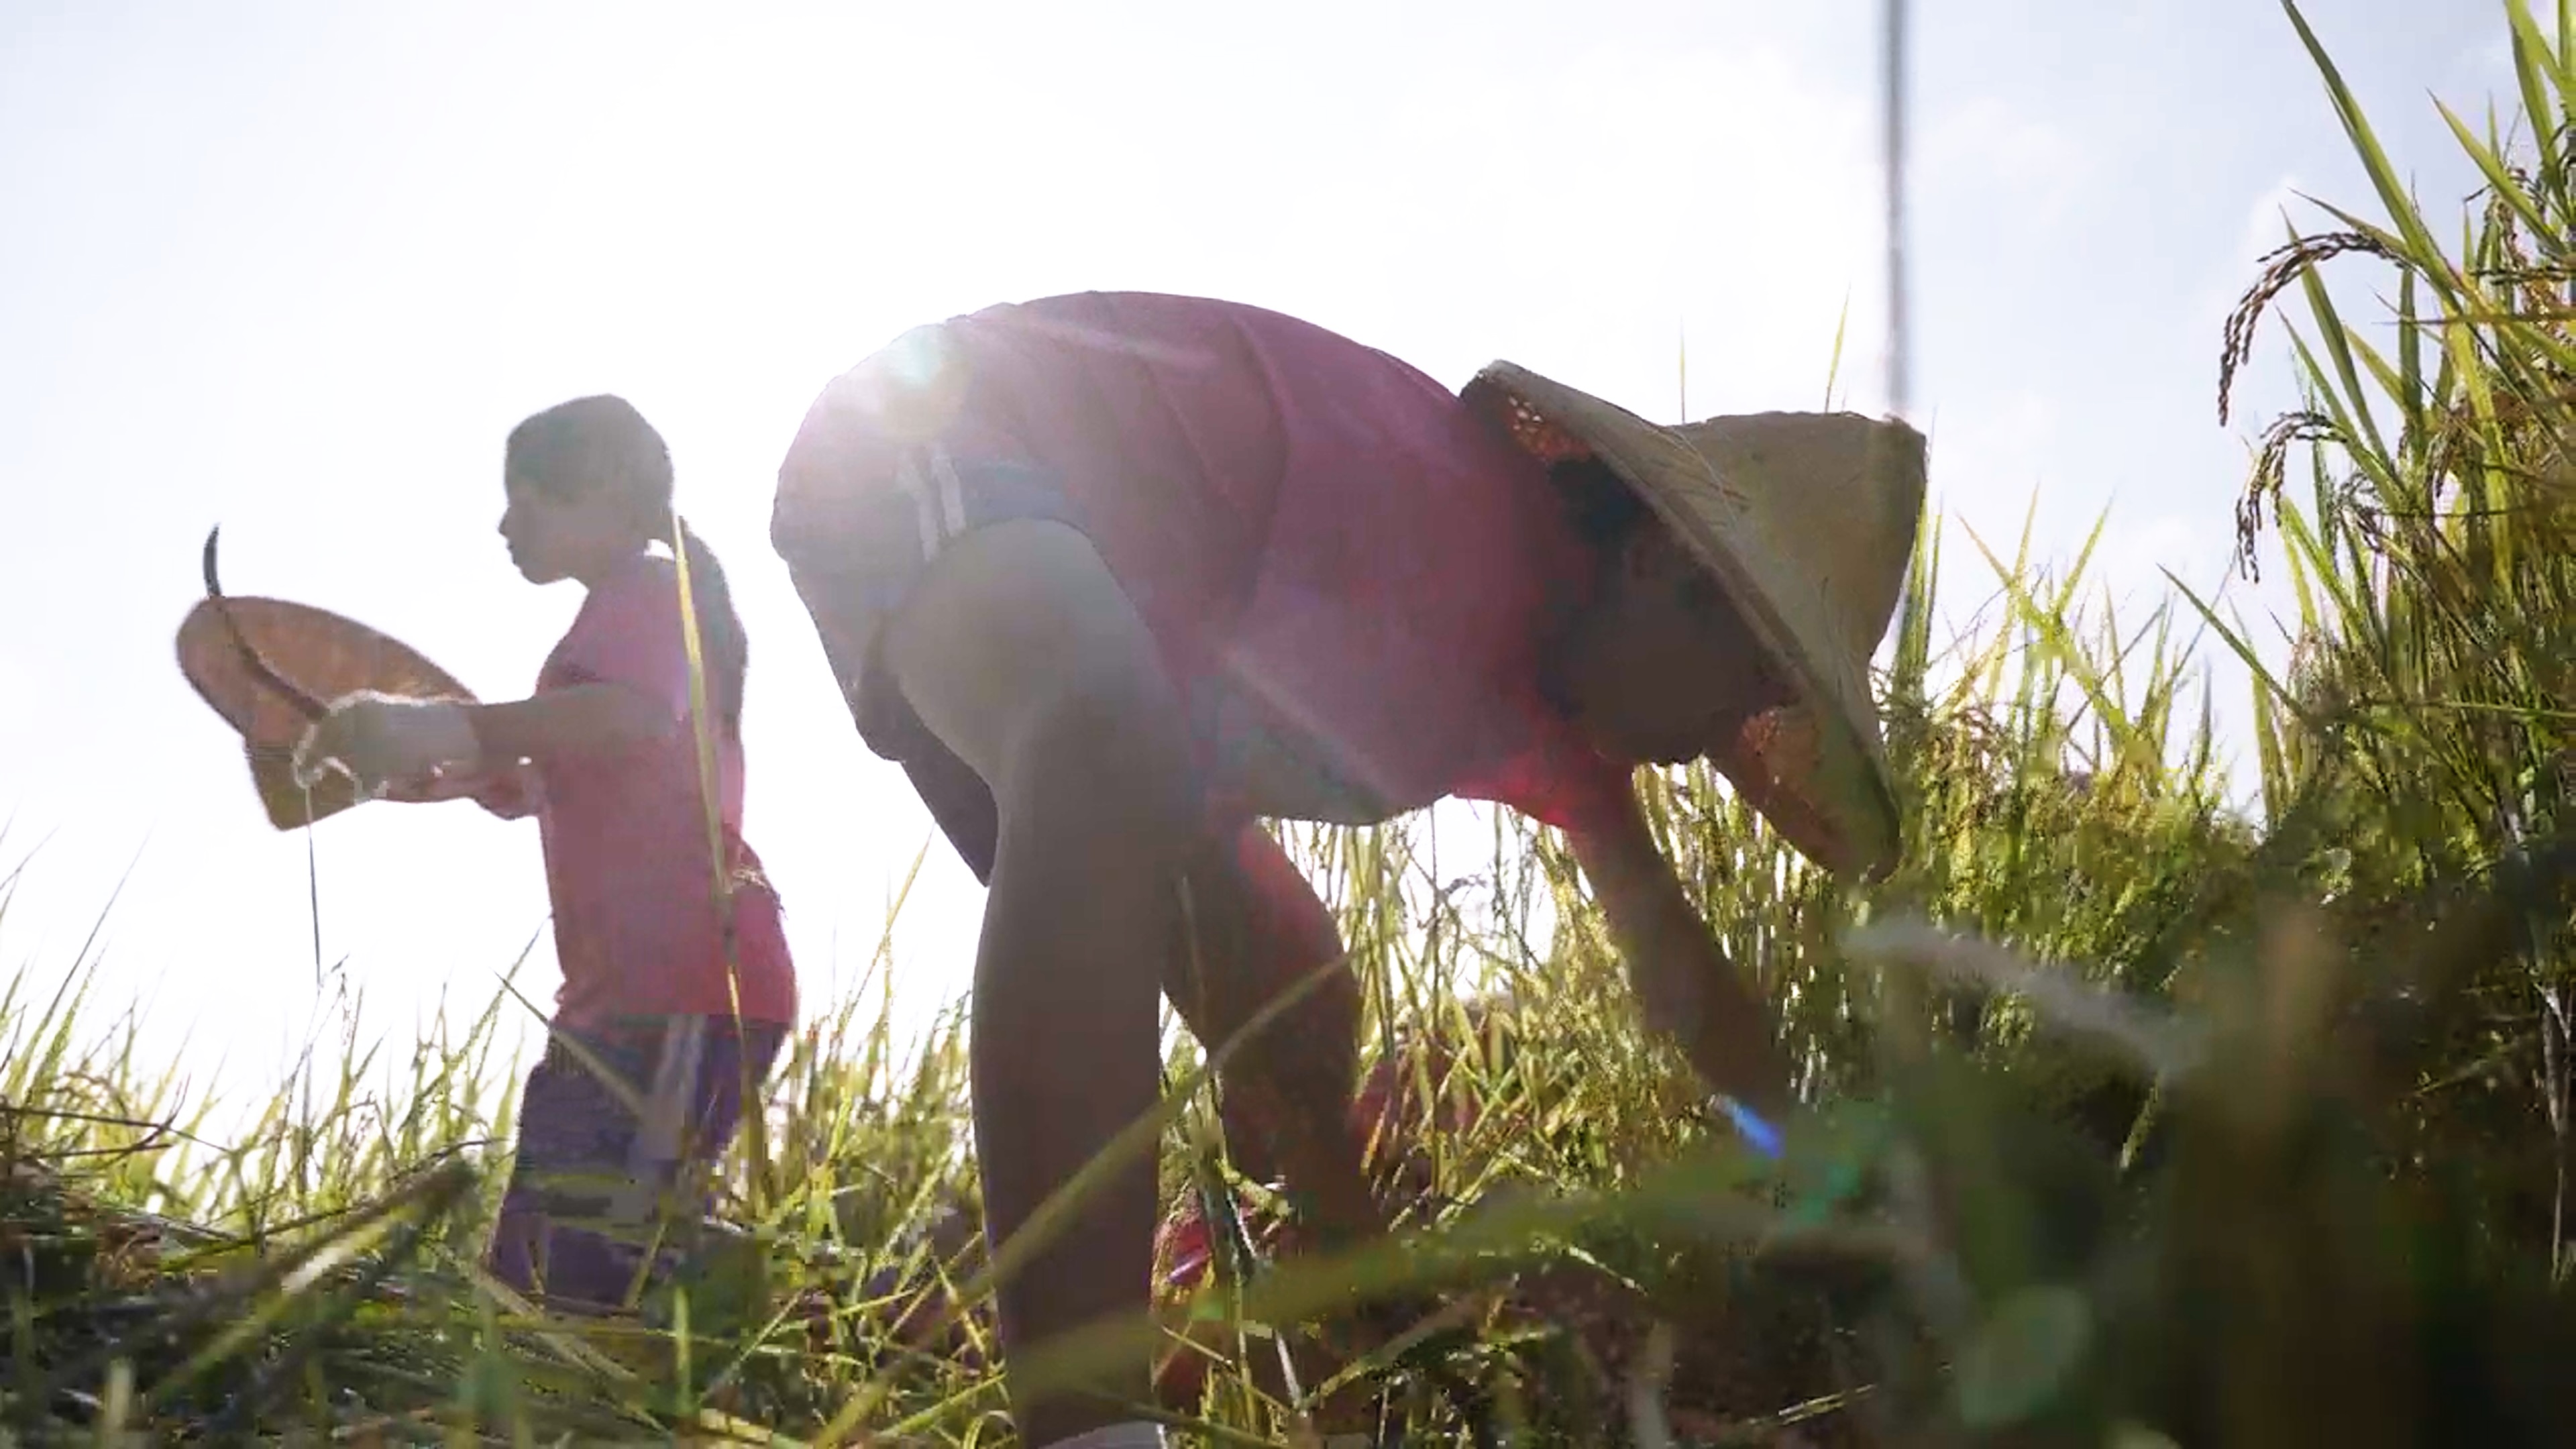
2427	711
2137	1122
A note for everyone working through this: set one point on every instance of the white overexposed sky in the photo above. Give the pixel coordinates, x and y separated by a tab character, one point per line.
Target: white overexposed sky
298	268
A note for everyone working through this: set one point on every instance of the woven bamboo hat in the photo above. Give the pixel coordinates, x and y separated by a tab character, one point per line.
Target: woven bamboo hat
1807	521
319	656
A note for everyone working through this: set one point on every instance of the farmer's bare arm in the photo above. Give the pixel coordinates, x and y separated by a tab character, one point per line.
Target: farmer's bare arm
597	716
1689	989
578	718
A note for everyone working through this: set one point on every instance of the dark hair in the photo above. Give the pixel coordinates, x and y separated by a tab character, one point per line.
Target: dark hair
1604	509
591	444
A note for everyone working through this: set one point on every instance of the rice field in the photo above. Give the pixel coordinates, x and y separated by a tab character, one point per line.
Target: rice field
2142	1118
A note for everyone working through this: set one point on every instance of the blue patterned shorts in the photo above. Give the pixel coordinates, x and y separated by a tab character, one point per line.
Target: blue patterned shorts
590	1179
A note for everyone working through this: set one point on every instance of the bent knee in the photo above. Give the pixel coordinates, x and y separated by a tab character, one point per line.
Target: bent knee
1104	730
1022	652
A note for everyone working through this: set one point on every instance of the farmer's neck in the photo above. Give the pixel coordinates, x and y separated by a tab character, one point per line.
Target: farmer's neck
596	566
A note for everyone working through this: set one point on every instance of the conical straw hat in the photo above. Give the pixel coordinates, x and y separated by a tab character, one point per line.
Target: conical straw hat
320	653
1807	521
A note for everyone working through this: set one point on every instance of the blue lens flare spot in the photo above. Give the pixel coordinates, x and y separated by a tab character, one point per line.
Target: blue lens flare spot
1764	1137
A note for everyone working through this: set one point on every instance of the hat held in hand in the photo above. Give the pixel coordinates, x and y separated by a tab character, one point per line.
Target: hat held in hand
271	668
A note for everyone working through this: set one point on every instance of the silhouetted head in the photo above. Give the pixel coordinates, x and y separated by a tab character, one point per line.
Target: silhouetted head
589	485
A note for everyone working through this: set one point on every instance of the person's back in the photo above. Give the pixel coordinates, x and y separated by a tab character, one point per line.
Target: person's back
1343	568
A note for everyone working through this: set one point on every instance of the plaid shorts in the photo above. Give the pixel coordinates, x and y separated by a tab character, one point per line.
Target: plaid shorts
590	1179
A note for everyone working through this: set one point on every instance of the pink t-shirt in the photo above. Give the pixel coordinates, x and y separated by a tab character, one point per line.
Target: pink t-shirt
627	867
1313	529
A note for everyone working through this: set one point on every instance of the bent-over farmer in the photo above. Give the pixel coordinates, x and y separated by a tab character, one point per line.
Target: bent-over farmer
1113	577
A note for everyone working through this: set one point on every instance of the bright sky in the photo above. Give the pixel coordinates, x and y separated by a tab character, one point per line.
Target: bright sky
298	268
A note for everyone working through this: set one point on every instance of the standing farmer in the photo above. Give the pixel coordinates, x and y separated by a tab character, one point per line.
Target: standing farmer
643	847
1115	576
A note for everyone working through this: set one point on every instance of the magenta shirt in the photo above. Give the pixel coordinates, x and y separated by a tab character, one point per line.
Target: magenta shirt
627	868
1314	530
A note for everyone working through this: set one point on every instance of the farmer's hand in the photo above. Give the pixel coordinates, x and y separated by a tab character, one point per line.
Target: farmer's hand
379	739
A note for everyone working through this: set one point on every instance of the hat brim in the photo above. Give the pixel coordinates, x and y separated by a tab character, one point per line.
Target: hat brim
1815	769
323	654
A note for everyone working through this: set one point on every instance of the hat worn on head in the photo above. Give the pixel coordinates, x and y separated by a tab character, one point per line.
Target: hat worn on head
324	655
1806	521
